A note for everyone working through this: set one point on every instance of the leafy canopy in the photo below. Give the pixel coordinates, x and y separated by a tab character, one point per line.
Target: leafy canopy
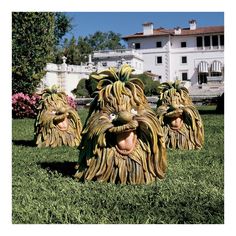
77	51
34	37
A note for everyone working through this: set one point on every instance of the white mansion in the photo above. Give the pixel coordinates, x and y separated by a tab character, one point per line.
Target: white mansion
189	54
193	55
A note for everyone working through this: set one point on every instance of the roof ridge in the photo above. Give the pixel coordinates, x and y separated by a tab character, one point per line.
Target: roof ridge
186	31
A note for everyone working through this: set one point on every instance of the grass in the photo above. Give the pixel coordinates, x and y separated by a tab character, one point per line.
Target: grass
44	191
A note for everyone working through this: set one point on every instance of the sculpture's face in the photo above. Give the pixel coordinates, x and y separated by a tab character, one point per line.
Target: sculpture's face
122	124
123	133
57	113
57	123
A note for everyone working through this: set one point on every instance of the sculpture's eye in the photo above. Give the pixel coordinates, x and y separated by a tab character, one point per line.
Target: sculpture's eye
133	111
112	116
53	112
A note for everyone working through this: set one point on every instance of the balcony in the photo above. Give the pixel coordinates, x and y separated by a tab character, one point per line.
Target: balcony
117	53
219	47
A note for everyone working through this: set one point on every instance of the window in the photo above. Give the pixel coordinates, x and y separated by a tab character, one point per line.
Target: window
214	40
199	42
221	40
137	45
207	41
184	76
202	78
158	44
216	74
159	60
183	44
184	59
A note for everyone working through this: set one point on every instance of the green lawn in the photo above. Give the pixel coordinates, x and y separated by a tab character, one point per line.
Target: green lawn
44	191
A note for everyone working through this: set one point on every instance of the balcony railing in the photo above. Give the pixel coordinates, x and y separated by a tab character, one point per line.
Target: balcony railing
117	53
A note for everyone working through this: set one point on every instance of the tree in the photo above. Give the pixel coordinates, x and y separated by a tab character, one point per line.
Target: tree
77	51
34	37
62	26
71	52
84	48
113	41
105	41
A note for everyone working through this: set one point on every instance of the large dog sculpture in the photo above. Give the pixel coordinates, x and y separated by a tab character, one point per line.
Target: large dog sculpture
181	121
57	123
122	140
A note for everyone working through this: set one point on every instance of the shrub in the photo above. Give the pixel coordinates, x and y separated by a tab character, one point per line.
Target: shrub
150	85
24	106
81	90
91	85
71	102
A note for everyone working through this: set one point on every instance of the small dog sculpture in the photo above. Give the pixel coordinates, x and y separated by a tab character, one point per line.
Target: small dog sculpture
122	140
57	123
181	121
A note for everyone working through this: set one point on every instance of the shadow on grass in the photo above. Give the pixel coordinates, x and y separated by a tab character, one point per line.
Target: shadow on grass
208	112
26	143
66	168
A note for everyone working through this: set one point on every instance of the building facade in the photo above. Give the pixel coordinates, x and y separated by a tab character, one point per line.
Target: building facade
193	55
115	58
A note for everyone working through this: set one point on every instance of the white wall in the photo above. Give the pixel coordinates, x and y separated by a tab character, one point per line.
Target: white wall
149	42
66	76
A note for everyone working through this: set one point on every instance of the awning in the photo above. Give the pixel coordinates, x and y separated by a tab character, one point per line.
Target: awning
203	67
216	66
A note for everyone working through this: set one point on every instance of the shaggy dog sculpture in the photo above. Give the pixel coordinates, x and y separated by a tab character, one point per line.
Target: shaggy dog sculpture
182	124
122	140
57	123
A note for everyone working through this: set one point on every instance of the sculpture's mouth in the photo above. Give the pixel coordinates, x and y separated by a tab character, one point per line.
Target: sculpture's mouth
125	137
126	142
175	118
176	122
62	124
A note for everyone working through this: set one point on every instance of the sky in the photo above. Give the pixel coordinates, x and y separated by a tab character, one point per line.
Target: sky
125	23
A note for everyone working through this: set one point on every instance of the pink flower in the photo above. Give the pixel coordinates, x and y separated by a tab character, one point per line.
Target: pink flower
24	105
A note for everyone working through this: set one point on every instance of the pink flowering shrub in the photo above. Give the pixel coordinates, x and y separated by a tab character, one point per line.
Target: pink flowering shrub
24	106
71	102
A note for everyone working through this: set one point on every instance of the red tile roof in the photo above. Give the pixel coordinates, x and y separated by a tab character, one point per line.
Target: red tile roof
184	32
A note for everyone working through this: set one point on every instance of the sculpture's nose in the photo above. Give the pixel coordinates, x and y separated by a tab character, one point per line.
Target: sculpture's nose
61	110
124	117
175	102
